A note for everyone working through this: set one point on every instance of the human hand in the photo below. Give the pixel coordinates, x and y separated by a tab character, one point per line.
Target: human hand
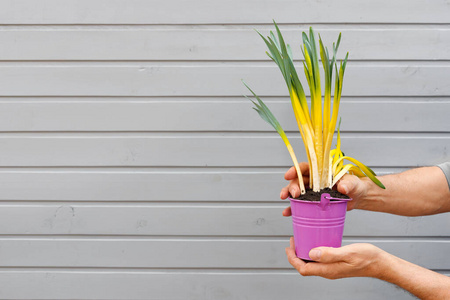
349	185
355	260
293	187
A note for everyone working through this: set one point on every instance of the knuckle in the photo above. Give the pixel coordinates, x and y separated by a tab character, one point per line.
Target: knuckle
303	272
306	270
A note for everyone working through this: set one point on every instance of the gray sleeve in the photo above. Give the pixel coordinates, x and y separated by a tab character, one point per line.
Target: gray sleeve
445	167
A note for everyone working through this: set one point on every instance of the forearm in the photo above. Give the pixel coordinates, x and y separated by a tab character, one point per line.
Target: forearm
416	192
421	282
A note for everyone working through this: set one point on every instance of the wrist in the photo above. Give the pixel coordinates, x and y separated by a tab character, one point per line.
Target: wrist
384	266
371	196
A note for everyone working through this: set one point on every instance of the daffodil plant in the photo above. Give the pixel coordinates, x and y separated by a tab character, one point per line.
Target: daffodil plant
317	122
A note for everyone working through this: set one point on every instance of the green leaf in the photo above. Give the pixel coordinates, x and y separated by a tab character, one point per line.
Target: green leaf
265	112
273	50
338	41
289	51
280	39
305	38
345	62
275	40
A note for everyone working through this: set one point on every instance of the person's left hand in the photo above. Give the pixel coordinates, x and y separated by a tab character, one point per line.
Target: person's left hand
355	260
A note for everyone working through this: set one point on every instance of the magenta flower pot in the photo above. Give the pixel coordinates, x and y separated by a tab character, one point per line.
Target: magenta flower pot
317	223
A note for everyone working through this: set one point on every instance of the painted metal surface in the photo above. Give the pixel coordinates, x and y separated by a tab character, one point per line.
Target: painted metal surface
132	168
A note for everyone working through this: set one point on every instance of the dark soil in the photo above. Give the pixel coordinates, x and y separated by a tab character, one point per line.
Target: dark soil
315	196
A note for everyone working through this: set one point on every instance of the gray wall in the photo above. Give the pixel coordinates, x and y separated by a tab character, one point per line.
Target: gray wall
132	167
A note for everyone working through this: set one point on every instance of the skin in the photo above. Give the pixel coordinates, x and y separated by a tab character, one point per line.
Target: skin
416	192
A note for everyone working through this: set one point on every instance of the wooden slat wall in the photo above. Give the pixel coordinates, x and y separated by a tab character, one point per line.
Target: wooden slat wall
223	12
131	166
206	78
210	42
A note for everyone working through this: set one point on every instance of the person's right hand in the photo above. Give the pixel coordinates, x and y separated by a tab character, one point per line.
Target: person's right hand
355	260
349	185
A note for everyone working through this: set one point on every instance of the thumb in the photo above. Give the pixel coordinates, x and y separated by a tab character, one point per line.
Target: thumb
348	185
327	254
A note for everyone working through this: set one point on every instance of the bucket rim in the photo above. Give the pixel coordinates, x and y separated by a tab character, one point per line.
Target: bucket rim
335	200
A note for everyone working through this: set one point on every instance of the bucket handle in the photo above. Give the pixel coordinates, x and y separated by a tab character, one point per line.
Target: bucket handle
325	200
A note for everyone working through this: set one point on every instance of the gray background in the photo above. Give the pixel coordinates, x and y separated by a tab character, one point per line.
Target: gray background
132	167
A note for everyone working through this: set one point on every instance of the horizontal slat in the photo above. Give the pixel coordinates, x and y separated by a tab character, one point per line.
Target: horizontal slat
188	253
191	43
204	11
201	220
384	114
138	185
141	185
50	284
204	150
210	79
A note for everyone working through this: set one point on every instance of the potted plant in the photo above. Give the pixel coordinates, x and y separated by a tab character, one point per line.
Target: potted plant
318	217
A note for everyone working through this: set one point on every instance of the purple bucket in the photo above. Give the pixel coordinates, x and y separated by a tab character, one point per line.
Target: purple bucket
317	224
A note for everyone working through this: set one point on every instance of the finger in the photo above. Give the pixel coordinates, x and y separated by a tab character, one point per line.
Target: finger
294	188
287	212
304	167
328	254
284	192
330	271
292	172
348	185
292	257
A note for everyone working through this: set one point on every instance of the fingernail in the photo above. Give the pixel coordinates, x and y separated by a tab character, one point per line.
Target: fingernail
293	193
315	254
344	188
